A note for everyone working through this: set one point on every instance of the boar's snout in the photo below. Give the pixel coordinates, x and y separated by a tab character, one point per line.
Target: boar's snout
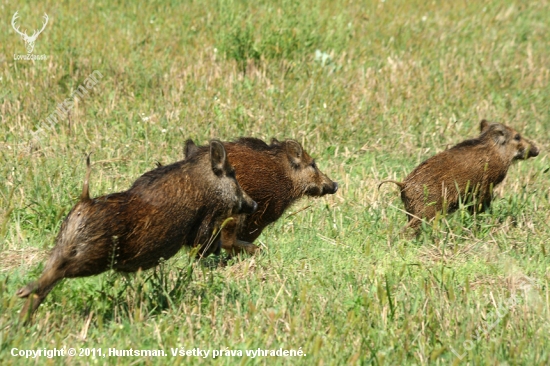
330	188
533	151
248	205
251	209
529	151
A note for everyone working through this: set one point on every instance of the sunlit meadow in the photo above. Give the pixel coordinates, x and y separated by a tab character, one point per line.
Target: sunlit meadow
371	89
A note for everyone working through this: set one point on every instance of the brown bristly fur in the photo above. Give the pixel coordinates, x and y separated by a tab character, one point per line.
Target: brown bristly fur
175	205
275	176
467	172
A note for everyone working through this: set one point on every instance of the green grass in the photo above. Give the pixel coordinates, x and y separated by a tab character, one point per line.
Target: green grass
371	89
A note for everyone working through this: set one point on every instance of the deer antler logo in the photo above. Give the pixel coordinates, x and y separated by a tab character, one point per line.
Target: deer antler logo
29	40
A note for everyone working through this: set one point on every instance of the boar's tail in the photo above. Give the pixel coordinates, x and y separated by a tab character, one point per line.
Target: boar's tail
400	184
85	196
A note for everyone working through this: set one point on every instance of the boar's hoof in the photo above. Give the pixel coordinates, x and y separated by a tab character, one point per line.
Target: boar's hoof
24	291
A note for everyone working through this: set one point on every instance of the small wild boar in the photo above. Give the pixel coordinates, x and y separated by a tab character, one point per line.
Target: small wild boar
274	176
165	209
467	172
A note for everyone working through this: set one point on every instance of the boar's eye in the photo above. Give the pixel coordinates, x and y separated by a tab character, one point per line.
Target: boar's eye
313	165
517	137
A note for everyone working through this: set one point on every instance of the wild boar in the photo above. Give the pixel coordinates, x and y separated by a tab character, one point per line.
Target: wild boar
182	204
275	176
467	172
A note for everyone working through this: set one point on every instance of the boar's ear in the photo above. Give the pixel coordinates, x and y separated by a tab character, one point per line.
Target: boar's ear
275	142
189	149
498	133
294	152
484	125
217	157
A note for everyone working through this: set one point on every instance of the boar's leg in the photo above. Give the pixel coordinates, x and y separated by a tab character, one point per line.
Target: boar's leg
481	203
243	246
228	236
231	244
239	247
479	206
59	266
412	226
35	292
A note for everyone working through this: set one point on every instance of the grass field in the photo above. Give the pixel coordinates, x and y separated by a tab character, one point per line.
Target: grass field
371	89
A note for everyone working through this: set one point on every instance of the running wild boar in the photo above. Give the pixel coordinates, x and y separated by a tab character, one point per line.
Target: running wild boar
182	204
467	172
275	176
